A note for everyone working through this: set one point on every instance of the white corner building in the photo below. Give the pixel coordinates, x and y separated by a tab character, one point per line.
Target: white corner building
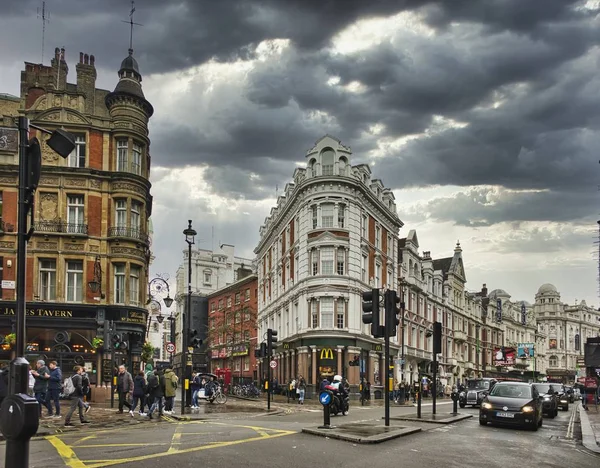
332	236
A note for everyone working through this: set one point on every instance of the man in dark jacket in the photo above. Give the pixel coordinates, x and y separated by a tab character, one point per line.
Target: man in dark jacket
76	398
156	392
124	389
40	387
54	388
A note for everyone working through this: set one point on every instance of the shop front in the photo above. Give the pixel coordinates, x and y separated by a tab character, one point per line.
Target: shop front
74	334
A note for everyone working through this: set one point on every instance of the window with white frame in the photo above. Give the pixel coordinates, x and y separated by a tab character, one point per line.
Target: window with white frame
327	261
119	270
228	301
341	215
75	211
390	246
364	224
136	209
341	261
377	275
247	295
314	313
207	277
136	159
121	213
365	268
246	364
238	297
553	361
236	365
134	285
327	215
314	260
326	312
47	283
77	156
327	157
315	217
340	313
74	280
378	237
122	149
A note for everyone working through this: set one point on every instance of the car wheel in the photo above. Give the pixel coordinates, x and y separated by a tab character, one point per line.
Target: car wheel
462	405
552	414
556	412
482	423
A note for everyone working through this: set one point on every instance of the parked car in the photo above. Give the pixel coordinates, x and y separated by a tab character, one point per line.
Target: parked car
475	392
548	398
512	404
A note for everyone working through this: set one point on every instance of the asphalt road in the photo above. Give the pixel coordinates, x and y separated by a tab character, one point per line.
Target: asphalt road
258	440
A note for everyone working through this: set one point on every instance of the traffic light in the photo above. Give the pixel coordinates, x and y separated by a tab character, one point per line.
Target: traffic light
437	337
370	307
193	340
391	312
271	338
119	342
261	352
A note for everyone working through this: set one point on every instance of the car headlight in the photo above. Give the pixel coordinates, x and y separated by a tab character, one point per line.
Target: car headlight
486	405
528	409
563	401
546	398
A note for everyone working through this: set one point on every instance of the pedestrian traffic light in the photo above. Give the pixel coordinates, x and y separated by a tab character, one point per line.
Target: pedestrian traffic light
437	337
119	342
193	340
391	312
261	352
271	338
370	307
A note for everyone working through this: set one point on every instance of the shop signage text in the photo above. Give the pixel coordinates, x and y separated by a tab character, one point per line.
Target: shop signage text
41	312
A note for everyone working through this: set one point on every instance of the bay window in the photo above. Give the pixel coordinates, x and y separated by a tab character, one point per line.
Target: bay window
119	271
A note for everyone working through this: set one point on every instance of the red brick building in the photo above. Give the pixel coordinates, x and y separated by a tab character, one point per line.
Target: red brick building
91	213
232	334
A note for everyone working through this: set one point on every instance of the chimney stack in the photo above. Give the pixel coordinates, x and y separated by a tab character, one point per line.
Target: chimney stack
86	80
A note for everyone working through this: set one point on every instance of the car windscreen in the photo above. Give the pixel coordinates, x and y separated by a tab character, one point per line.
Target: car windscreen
543	389
511	391
478	384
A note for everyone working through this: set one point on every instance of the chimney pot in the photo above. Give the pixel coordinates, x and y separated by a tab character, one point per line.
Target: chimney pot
62	53
86	59
80	57
92	60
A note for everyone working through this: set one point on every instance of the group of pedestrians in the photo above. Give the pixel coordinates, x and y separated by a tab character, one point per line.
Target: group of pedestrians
297	387
155	391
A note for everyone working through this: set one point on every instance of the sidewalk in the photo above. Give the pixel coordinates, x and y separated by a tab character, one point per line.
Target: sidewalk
590	428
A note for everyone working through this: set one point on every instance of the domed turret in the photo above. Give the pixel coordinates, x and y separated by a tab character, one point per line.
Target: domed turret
129	86
547	289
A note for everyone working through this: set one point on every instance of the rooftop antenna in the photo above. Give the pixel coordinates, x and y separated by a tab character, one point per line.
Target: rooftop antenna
45	19
131	23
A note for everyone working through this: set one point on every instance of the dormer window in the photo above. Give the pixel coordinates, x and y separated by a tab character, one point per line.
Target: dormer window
327	158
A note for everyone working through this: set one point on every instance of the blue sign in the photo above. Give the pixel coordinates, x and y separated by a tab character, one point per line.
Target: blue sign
525	350
325	398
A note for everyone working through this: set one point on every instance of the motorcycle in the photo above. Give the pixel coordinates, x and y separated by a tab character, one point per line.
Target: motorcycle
340	402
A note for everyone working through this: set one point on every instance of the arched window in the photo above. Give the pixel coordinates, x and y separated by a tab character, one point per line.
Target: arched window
327	158
342	163
311	167
553	361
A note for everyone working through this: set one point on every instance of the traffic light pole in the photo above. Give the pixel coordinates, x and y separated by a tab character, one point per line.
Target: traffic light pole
387	380
268	383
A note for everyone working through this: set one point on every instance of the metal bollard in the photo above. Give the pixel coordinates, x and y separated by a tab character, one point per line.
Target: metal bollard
326	398
454	397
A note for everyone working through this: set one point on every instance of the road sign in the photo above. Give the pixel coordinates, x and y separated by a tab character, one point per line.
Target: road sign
273	364
170	347
325	398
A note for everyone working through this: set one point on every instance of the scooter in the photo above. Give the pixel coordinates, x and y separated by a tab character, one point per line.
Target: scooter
340	403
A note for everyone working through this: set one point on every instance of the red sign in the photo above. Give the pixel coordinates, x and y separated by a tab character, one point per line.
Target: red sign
591	382
504	357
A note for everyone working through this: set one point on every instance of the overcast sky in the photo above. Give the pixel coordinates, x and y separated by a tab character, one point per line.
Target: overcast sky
481	115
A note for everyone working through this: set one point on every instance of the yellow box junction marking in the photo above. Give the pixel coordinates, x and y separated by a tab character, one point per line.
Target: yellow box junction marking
72	461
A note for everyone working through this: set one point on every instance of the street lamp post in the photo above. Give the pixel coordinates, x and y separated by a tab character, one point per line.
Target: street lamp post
189	234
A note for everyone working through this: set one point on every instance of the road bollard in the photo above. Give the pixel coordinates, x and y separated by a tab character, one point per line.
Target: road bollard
454	396
326	398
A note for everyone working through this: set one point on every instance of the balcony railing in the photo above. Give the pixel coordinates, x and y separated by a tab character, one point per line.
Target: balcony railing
129	233
61	227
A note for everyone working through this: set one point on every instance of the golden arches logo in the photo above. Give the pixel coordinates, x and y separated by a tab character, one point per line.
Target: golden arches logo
326	353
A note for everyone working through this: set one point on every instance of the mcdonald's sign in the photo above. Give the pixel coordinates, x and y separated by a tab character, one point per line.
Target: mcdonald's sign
286	346
326	354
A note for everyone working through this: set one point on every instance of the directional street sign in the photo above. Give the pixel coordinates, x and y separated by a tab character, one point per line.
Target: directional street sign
273	364
170	347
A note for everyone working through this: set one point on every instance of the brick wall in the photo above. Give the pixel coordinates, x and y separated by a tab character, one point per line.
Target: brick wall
94	215
96	149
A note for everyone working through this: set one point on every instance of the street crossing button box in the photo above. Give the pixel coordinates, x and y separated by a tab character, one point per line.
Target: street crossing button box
19	417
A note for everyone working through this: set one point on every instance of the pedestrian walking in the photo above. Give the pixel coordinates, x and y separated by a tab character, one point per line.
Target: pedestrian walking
301	388
76	398
196	386
41	376
156	392
54	389
124	389
85	385
139	393
171	381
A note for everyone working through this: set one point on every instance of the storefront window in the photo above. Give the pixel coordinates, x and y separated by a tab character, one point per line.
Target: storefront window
74	281
47	282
